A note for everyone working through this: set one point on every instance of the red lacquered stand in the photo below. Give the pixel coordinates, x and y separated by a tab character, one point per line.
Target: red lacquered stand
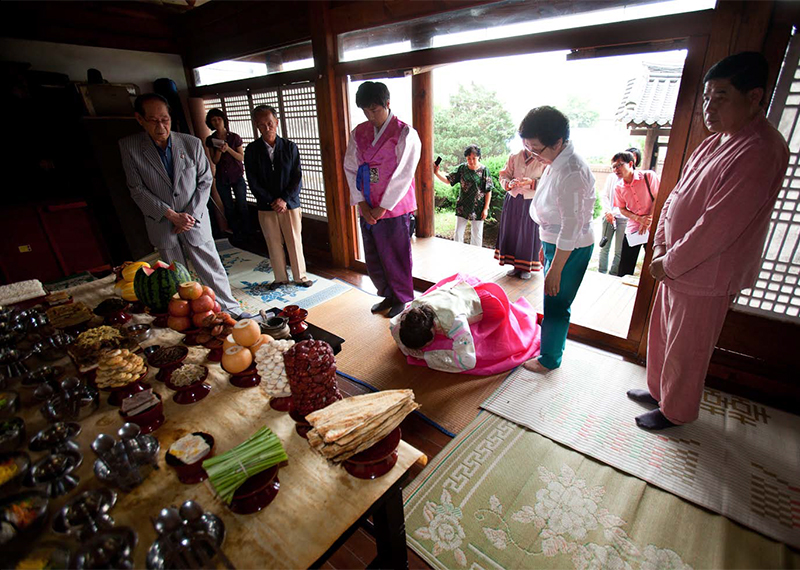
160	319
149	420
247	379
214	355
117	318
256	493
192	393
191	473
302	427
191	337
377	460
137	308
280	404
119	394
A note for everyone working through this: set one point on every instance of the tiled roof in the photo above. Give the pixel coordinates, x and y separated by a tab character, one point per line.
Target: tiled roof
650	97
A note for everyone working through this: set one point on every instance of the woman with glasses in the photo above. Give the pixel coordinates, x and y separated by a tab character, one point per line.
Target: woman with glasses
562	206
225	150
474	195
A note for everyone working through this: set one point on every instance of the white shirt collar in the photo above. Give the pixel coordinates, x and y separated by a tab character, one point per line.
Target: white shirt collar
379	133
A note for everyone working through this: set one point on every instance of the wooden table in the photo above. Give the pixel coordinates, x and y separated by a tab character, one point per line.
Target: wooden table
318	502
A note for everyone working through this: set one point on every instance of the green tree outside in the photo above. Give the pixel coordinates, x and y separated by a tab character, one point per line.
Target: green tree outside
475	116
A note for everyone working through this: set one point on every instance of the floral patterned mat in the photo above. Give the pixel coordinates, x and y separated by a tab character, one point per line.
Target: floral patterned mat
251	274
501	496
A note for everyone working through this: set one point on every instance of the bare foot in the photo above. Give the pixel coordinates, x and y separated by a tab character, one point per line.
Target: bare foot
535	366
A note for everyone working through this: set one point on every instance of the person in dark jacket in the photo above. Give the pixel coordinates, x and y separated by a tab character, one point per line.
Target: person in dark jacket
272	166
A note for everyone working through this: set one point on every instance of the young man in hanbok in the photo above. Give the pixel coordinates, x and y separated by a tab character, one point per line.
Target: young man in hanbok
380	162
710	237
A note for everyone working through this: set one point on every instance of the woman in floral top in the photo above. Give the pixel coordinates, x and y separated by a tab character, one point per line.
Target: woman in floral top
474	195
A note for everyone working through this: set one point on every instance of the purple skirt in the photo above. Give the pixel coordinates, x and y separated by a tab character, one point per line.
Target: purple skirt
518	241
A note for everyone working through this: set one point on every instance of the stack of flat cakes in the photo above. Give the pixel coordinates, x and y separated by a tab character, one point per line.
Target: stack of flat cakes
354	424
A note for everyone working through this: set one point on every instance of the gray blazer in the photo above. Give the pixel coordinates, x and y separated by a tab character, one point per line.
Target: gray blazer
153	192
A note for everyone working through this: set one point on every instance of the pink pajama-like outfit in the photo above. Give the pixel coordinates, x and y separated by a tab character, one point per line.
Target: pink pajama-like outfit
713	226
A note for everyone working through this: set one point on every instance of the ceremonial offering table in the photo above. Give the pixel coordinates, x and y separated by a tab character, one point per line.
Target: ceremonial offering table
316	509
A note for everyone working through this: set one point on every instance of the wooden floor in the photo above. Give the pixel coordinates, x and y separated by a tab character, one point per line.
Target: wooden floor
604	303
435	259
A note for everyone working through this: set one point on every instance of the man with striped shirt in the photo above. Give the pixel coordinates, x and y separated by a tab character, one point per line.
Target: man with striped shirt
169	178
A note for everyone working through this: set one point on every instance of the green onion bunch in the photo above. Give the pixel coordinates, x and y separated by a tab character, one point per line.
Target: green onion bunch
258	453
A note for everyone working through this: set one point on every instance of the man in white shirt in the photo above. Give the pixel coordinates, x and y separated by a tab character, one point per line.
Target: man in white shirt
380	162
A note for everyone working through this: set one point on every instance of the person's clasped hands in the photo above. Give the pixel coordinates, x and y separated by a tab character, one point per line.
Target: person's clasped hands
183	222
279	205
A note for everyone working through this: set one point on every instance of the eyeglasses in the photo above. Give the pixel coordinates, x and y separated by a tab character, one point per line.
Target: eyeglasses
166	121
617	165
536	151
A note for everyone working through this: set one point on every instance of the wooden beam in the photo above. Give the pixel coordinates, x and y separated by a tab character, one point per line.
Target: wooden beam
422	110
620	33
256	83
688	96
331	105
348	16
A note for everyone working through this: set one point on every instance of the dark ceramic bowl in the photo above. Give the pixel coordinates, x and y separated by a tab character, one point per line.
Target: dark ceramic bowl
12	434
55	435
16	536
84	511
53	347
191	473
9	404
139	333
111	548
22	461
149	350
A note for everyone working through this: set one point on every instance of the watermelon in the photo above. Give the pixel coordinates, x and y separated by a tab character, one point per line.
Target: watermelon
155	286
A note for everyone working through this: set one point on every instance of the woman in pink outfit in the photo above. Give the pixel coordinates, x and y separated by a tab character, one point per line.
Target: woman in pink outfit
464	325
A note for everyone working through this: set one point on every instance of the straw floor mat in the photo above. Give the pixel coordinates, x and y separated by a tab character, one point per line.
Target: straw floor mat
740	459
501	496
369	354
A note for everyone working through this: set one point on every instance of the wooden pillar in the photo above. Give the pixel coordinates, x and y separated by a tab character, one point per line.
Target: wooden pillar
422	107
332	135
650	142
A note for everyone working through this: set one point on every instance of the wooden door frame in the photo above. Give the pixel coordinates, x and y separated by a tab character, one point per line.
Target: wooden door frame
694	27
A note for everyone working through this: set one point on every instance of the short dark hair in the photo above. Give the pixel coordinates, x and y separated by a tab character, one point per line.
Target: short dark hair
625	157
216	113
547	124
372	93
416	326
264	109
637	154
472	149
138	104
746	71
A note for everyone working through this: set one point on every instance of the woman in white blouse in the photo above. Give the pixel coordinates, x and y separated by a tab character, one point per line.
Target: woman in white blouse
562	206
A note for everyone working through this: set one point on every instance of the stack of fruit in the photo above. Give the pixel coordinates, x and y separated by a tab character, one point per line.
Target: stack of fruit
191	305
240	347
311	370
125	275
154	286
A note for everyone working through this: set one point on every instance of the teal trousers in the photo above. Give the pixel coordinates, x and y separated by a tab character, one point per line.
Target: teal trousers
557	310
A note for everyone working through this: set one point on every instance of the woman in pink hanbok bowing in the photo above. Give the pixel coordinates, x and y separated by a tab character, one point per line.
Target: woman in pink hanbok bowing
464	325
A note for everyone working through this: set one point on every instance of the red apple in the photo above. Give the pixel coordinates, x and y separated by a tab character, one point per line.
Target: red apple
202	304
179	323
217	308
197	318
178	307
209	291
190	290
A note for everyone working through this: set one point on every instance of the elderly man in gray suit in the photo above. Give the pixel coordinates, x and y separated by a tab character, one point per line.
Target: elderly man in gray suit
170	180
